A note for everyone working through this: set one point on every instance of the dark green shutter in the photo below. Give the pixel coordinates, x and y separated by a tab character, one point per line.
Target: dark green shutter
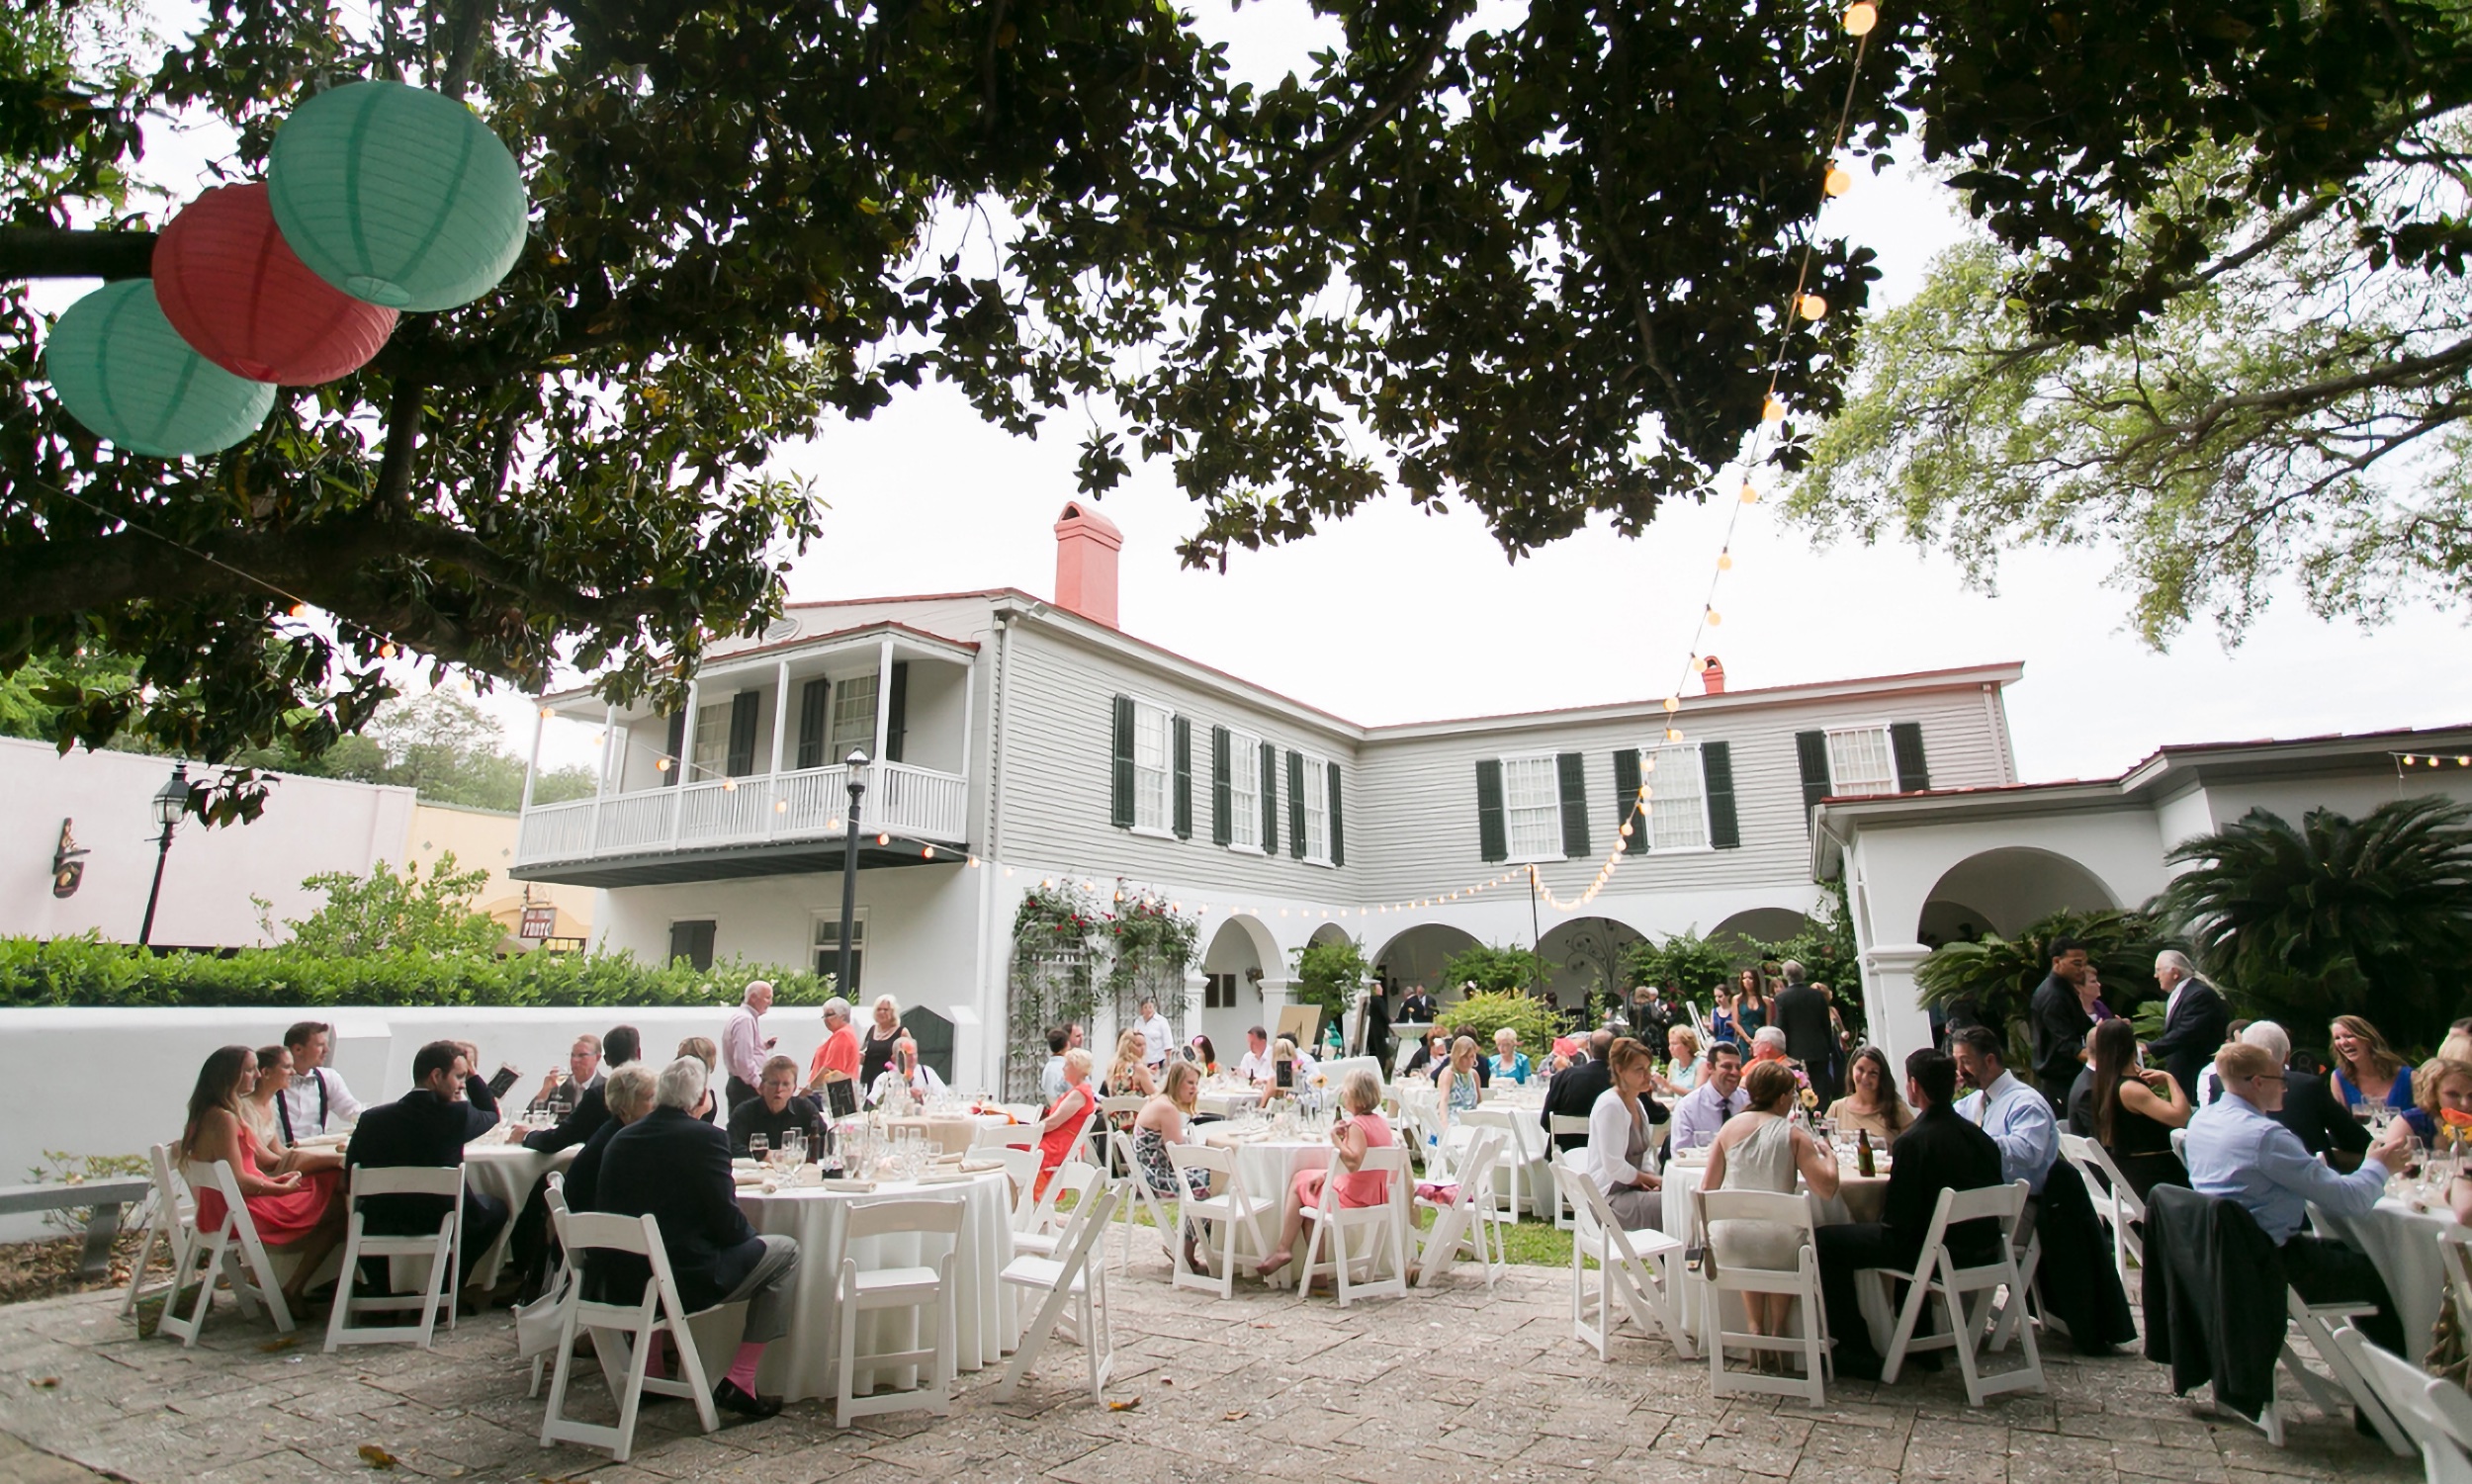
1571	769
1120	800
1626	795
1905	742
1270	800
1338	829
1494	841
677	748
896	711
1725	831
743	709
1295	805
814	713
1810	752
1183	741
1222	827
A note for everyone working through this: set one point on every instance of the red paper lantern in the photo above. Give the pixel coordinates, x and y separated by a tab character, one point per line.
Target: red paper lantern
242	299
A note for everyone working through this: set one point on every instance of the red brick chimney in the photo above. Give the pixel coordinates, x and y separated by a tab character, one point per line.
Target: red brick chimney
1713	675
1086	546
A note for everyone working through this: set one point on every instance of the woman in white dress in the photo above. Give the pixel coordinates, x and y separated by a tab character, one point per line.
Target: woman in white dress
1760	1149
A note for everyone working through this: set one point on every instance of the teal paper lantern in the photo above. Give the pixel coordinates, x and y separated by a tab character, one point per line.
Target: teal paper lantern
397	196
123	371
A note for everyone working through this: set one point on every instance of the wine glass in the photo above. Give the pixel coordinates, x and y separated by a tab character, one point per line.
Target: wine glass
760	1147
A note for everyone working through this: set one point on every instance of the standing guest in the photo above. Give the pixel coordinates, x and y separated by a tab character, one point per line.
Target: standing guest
584	1072
1761	1149
2196	1021
674	1166
295	1213
875	1053
2017	1117
1871	1104
1651	1016
1682	1043
1698	1117
2057	1021
1255	1066
1363	1130
1809	1021
2129	1110
2237	1152
426	1128
1205	1056
629	1095
2443	1087
907	1075
703	1050
836	1062
1574	1091
1051	1075
1621	1138
1129	1076
2367	1073
1508	1059
259	1114
317	1103
1755	1004
622	1045
1418	1008
1455	1088
1158	1036
1168	1118
1060	1128
1939	1152
1721	1024
776	1111
744	1044
1377	1036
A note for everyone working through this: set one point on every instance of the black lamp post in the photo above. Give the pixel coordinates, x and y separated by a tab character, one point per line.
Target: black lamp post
171	800
857	761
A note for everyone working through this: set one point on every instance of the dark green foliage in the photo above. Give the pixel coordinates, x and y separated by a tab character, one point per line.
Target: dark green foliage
1495	968
1997	976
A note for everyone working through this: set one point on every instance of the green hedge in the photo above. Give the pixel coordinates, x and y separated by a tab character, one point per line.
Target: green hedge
87	971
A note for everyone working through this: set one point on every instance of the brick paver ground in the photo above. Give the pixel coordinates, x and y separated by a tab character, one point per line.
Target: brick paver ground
1437	1387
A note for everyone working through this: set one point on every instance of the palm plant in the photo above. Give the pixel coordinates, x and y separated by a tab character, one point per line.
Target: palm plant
1995	978
2369	917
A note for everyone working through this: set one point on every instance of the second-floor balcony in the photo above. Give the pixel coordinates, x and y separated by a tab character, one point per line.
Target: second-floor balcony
917	807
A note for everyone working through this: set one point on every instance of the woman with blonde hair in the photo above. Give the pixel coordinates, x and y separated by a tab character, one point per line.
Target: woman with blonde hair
1129	1076
703	1050
1059	1129
2366	1069
1363	1129
875	1048
1168	1118
1682	1043
1455	1088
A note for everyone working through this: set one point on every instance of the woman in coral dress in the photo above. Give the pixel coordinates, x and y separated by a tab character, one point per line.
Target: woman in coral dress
294	1212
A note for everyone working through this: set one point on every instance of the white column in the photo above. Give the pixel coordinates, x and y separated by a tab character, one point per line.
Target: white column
970	698
883	699
681	766
781	739
532	763
609	747
1899	1025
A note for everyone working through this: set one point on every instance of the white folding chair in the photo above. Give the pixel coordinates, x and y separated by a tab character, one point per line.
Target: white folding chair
1222	1214
623	1334
231	1252
1046	1235
1802	1282
1101	1128
2118	1206
443	1248
539	1323
2434	1412
1459	1228
870	1290
173	1222
1138	1197
2454	1249
1523	1146
1021	1169
1556	1126
1068	1280
1634	1269
2317	1323
1967	1294
1383	1222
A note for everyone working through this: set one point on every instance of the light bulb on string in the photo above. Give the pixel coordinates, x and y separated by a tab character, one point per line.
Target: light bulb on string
1724	562
1673	704
1714	618
1838	181
1861	17
1771	410
1811	306
1750	492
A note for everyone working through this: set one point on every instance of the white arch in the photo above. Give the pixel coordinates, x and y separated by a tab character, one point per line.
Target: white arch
2009	887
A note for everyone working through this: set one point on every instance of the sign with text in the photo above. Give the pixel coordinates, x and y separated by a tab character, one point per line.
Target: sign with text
540	921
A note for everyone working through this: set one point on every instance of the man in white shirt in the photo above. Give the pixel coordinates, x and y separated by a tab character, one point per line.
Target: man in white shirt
1060	1040
744	1045
584	1072
1705	1109
1255	1065
317	1103
2017	1117
1158	1036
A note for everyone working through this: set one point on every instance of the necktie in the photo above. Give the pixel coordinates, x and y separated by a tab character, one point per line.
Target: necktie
1983	1108
1724	1108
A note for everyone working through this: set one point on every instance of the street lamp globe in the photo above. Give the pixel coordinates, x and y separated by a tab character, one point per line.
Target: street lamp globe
171	800
856	759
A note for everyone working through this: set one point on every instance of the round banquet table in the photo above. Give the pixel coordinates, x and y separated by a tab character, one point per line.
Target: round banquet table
2402	1243
1859	1199
1228	1102
799	1365
952	1133
508	1171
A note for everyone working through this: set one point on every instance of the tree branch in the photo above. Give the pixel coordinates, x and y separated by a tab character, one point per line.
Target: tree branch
28	252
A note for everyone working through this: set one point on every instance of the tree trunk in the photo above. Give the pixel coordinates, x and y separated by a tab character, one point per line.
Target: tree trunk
56	252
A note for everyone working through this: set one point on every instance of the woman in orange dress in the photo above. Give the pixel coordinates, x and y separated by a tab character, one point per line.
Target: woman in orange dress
294	1212
1062	1125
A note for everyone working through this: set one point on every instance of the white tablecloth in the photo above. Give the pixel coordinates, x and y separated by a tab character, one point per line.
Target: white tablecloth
1228	1102
800	1365
2403	1243
508	1171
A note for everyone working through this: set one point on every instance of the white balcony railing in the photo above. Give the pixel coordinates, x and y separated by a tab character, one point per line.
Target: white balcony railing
762	809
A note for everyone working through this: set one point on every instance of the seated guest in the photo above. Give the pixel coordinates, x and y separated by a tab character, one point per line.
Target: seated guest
777	1111
1682	1075
622	1046
1508	1059
2441	1087
1698	1117
426	1128
1574	1091
318	1102
1290	1066
1761	1149
1051	1075
1255	1065
2367	1072
2017	1117
259	1113
583	1070
2129	1110
1871	1104
1166	1119
628	1094
703	1050
1060	1128
297	1213
1130	1075
477	1090
1455	1087
1768	1044
674	1166
1621	1136
2237	1152
1939	1152
1205	1054
1363	1129
1430	1056
906	1075
2311	1110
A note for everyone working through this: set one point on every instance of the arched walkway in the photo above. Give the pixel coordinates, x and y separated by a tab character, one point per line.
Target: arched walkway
1241	952
2007	890
1585	955
1761	925
1417	956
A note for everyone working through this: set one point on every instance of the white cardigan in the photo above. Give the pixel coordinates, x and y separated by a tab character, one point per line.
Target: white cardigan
1609	1139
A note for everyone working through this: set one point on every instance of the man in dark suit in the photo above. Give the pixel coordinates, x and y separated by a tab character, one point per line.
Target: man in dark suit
674	1166
1418	1008
426	1128
1940	1151
2196	1021
1574	1091
1801	1012
2058	1022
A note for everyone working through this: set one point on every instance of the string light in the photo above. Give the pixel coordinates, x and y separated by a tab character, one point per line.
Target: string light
1811	306
1724	562
1838	181
1861	17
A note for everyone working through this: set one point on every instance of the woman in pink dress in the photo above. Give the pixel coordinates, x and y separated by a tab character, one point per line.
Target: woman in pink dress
1363	1129
294	1212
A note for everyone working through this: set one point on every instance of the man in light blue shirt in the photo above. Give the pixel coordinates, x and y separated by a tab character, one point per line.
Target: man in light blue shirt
2017	1117
2236	1153
1717	1097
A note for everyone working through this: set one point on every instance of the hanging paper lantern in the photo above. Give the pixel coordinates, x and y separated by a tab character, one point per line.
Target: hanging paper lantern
397	196
245	301
122	370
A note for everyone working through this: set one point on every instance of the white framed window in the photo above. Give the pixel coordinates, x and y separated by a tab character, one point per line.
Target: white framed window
1150	766
1861	761
829	949
708	756
1531	807
1677	797
1244	791
1317	810
853	718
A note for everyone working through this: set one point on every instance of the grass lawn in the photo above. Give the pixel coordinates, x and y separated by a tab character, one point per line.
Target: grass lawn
1536	1244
